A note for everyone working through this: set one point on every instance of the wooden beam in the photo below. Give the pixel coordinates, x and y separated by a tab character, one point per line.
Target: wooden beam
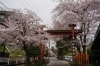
63	32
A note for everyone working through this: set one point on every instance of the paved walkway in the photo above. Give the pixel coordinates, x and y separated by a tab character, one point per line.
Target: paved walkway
56	62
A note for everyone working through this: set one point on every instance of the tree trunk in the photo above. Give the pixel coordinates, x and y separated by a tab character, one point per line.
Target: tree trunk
27	55
28	60
84	48
78	49
3	49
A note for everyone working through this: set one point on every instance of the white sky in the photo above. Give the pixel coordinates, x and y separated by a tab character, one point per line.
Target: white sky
43	8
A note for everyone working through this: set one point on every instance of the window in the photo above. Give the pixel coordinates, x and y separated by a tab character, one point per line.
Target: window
1	16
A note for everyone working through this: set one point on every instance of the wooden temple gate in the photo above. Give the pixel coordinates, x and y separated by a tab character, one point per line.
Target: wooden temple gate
81	58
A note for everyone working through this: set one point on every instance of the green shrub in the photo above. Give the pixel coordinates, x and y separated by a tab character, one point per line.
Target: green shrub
73	63
42	62
90	65
36	64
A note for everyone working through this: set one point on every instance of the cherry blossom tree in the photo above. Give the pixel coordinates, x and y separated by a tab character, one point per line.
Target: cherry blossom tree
84	13
22	28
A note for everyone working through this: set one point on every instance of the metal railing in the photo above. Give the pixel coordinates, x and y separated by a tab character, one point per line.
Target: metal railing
14	60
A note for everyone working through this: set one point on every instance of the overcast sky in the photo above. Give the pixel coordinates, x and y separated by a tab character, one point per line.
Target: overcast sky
43	8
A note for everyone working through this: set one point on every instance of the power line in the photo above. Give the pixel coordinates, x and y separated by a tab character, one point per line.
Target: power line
37	10
33	9
23	3
12	3
5	6
8	3
1	8
28	4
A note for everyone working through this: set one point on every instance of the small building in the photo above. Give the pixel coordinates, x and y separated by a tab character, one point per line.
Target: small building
4	15
95	48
